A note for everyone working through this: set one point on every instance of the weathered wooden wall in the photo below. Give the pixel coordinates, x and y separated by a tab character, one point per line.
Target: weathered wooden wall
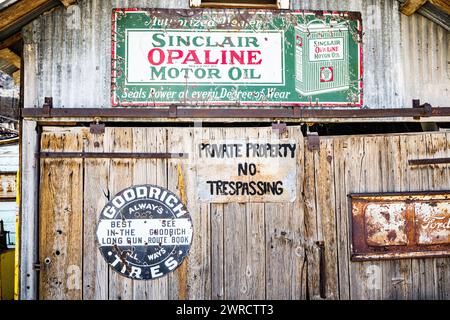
67	53
376	164
239	250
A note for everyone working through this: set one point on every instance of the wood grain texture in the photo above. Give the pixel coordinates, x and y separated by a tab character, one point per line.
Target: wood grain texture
310	235
144	171
416	148
150	171
217	233
29	281
120	177
289	251
18	10
185	281
411	6
343	223
438	147
239	250
326	218
96	176
10	57
60	217
244	240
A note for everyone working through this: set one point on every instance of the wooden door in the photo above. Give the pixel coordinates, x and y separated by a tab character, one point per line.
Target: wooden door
239	250
298	250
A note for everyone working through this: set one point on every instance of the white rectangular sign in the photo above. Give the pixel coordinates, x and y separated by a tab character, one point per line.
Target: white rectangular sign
246	171
326	49
180	57
149	232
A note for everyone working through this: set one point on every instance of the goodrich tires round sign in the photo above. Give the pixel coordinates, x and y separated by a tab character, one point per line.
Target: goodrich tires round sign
144	232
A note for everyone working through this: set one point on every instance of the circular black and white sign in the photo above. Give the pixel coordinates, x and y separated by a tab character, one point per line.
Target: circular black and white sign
144	232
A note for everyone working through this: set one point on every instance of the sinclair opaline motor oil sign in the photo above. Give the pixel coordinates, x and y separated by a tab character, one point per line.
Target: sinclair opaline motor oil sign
236	58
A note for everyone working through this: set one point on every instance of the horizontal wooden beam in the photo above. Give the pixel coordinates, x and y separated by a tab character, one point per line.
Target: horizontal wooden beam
288	113
15	17
113	155
411	6
68	3
18	10
443	5
10	56
11	40
16	77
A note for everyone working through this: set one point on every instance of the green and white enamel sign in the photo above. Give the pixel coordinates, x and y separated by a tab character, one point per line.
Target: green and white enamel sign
236	58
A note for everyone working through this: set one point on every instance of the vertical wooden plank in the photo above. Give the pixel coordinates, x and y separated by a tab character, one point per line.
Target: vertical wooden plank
145	171
178	278
343	236
396	273
61	207
416	149
289	250
120	177
426	269
96	171
443	264
326	218
235	250
363	275
255	232
440	180
192	279
383	176
311	254
244	239
404	266
217	252
199	281
367	275
29	281
143	141
158	288
301	245
217	231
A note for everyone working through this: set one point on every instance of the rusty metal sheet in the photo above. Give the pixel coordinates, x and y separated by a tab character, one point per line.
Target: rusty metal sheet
246	170
400	225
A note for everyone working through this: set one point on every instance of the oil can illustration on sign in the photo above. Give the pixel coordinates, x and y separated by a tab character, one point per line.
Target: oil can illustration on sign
144	232
236	58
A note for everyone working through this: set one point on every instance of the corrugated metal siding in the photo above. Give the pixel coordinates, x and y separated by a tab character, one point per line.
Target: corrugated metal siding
67	53
426	49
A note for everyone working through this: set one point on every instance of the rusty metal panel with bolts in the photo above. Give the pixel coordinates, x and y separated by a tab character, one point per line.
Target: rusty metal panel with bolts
399	225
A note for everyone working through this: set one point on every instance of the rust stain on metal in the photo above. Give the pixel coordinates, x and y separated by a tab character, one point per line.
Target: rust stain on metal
400	225
385	224
433	223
